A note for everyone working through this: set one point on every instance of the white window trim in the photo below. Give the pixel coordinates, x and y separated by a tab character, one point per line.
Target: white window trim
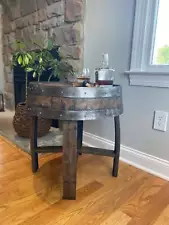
142	73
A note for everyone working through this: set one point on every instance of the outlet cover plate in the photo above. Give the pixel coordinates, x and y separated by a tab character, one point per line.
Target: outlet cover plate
160	121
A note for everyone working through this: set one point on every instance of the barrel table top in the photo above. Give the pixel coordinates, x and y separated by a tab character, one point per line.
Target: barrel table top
62	101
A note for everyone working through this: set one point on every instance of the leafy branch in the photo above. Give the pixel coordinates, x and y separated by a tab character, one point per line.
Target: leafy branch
24	59
39	62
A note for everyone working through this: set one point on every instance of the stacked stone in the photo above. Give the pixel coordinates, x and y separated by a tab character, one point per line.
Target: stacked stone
61	20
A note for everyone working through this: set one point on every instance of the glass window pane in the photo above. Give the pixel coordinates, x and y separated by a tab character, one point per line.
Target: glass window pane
161	44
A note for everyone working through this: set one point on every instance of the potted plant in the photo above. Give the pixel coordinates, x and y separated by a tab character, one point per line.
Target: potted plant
36	63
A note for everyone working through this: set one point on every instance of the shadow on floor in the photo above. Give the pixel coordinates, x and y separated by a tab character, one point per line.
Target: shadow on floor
49	176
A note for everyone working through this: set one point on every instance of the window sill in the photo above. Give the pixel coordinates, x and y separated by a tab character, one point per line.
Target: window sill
148	79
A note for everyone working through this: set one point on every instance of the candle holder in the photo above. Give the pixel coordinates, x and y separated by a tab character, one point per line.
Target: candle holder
2	103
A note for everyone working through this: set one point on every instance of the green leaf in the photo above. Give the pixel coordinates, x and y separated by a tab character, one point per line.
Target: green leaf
26	60
34	74
29	56
40	60
29	69
20	60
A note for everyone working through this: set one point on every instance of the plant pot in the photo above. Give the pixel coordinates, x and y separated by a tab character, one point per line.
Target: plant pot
22	121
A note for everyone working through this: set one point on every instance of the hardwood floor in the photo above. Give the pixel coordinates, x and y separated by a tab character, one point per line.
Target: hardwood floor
135	197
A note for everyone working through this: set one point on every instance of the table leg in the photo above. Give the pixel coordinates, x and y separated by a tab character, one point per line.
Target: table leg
69	159
117	146
80	135
3	105
33	143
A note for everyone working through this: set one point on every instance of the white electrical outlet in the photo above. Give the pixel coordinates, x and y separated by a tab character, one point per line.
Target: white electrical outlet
160	120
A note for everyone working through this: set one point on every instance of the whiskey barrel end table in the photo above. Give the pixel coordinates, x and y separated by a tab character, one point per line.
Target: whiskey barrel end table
73	105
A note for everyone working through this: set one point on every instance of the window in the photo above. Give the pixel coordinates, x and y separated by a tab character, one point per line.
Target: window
161	41
150	49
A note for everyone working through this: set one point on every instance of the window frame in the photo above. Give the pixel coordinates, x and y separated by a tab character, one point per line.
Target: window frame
142	72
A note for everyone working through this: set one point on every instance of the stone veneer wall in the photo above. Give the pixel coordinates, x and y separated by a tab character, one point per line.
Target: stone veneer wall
60	19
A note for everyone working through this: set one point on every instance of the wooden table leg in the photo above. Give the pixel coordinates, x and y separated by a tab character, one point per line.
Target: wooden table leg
69	159
80	135
117	146
33	143
2	109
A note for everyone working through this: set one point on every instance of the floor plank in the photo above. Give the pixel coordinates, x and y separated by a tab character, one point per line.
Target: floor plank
117	218
163	219
153	209
103	203
135	197
55	213
143	196
17	211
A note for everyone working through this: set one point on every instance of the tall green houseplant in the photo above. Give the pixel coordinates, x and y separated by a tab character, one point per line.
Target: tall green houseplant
36	63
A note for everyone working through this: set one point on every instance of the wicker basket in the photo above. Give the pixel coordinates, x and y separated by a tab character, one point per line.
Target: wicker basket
21	122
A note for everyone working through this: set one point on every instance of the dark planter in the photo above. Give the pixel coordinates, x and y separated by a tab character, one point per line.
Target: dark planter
21	122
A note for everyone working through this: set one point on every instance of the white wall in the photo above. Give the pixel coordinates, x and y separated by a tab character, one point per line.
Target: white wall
108	28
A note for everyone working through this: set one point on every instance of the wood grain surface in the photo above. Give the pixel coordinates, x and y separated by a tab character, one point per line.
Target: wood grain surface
135	197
